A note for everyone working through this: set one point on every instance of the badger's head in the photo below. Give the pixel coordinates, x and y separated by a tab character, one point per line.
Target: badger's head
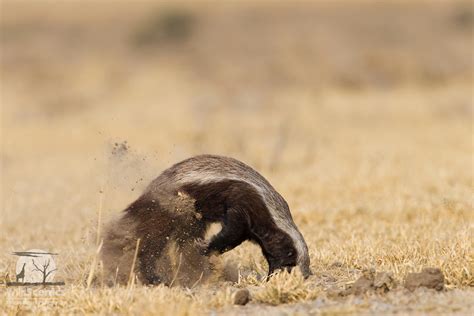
289	250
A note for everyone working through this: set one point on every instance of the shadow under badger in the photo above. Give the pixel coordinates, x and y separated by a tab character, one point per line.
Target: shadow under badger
179	205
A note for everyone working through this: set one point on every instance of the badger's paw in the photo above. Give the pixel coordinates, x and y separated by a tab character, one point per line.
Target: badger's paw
154	280
202	246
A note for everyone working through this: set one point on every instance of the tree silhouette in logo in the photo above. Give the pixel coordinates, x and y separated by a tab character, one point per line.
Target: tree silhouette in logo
44	269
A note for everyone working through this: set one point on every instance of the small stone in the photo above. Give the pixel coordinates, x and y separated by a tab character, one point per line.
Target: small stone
337	264
241	297
431	278
334	292
328	278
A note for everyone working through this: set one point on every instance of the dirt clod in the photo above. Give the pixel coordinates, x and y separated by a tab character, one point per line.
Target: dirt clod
431	278
363	284
384	282
241	297
380	282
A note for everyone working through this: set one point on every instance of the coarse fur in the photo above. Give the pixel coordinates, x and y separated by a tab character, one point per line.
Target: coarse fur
180	203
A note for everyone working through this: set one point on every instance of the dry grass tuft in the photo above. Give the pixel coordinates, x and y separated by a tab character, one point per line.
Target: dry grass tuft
286	287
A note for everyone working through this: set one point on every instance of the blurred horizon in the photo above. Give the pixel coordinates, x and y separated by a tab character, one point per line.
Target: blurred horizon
272	83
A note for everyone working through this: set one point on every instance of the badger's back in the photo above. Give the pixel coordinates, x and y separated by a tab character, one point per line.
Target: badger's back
212	168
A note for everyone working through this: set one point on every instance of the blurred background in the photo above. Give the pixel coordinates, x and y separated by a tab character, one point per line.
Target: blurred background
341	104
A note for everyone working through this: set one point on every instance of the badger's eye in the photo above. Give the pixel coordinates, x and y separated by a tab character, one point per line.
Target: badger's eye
290	253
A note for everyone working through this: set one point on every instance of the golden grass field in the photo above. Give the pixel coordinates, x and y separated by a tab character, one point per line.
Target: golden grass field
359	113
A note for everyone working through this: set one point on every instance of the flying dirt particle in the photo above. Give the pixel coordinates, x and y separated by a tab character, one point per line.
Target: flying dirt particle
379	282
241	297
120	149
431	278
230	271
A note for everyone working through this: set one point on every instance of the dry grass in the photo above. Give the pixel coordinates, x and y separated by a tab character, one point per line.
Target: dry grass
369	140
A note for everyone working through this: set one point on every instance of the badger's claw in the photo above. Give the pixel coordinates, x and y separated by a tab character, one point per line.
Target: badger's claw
202	246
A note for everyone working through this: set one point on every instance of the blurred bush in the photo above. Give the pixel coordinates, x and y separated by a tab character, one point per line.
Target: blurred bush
174	25
464	17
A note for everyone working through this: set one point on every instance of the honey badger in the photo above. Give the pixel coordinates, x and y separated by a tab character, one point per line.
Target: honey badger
183	200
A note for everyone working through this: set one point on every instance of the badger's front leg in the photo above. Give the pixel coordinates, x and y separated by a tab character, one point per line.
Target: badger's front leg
234	231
